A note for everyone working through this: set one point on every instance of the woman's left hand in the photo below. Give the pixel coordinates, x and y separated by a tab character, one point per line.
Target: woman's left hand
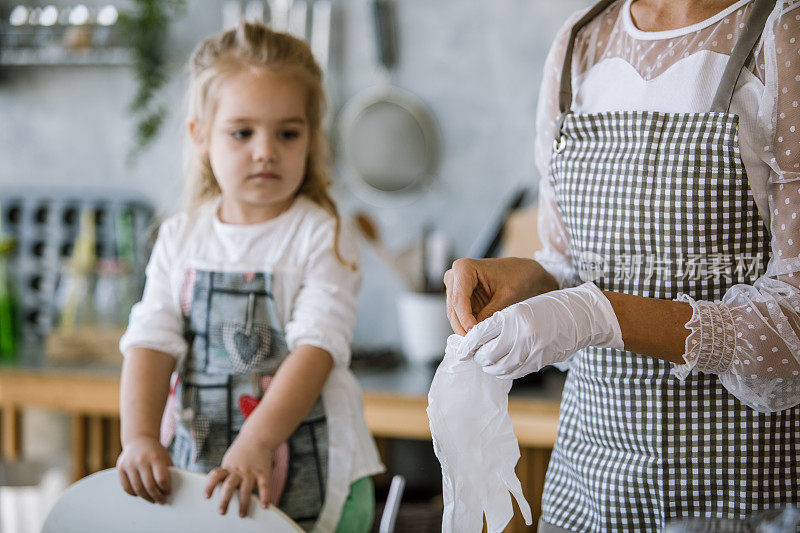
542	330
245	466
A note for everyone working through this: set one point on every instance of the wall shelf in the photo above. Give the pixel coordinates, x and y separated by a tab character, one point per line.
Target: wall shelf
31	57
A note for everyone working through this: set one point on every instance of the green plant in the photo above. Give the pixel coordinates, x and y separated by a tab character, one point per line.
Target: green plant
145	26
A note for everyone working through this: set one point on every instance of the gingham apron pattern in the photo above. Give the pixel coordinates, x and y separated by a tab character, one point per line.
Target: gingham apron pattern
657	204
235	340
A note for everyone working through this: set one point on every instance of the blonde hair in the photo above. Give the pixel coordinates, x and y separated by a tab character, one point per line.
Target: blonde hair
254	46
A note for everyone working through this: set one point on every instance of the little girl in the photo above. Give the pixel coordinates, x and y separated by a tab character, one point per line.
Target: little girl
251	295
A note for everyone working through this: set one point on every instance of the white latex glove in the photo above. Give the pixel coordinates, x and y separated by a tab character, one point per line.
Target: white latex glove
543	330
474	440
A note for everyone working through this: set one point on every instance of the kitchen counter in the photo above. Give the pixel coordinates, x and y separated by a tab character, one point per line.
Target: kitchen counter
395	400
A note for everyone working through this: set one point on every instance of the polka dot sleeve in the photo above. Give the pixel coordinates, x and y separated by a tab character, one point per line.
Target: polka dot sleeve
751	338
780	109
555	255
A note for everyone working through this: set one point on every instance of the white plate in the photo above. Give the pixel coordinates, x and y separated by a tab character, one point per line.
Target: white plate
98	504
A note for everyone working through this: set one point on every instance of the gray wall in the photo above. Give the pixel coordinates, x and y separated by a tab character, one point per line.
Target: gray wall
476	64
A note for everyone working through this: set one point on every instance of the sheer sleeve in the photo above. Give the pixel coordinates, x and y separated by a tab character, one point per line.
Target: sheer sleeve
779	113
750	338
555	255
547	106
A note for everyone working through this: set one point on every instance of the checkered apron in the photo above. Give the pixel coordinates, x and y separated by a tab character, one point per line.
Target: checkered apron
657	204
235	339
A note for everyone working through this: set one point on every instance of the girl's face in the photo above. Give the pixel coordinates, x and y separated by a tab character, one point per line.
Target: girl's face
258	144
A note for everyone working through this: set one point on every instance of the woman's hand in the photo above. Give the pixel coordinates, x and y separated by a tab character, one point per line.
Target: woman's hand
478	288
245	466
143	469
542	330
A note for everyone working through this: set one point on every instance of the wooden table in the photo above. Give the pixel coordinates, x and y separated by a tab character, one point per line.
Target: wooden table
535	422
394	405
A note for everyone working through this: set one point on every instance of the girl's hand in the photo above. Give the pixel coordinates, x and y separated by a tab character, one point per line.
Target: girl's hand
143	469
246	465
478	288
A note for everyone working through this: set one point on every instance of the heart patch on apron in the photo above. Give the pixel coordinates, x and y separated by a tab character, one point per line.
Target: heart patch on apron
247	344
246	350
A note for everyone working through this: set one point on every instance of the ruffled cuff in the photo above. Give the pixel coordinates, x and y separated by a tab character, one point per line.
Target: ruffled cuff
711	345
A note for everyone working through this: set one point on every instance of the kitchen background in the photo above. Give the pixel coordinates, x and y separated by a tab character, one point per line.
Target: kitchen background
476	64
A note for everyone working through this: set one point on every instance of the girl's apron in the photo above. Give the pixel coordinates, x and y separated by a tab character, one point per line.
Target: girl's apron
658	204
235	340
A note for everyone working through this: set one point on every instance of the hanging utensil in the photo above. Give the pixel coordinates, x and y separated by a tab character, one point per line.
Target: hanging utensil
437	260
427	229
279	14
298	19
406	264
254	11
488	241
389	138
321	16
231	14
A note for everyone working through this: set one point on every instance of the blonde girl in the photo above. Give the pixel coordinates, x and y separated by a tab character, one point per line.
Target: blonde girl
250	303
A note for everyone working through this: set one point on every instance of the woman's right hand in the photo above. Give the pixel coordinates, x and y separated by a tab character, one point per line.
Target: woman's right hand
143	469
478	288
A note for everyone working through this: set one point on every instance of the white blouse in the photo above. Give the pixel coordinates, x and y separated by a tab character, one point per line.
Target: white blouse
315	298
750	337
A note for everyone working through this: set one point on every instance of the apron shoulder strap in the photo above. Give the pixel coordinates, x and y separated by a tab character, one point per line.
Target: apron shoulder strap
752	31
565	90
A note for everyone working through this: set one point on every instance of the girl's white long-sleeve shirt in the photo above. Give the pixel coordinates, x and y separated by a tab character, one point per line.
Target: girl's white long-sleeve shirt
315	297
750	337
